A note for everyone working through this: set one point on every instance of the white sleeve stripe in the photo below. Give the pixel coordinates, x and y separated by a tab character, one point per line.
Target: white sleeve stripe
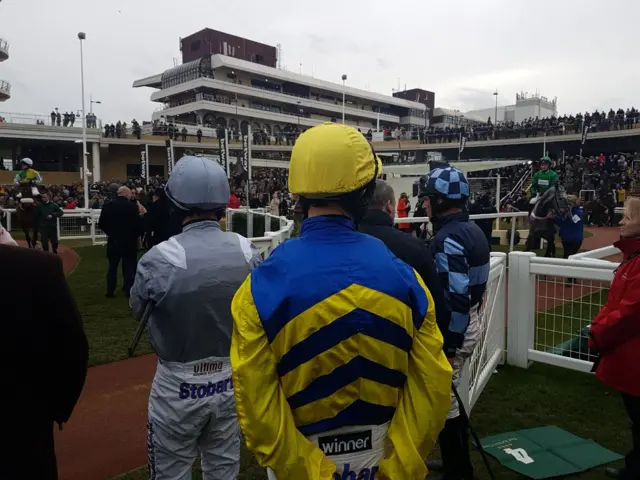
174	253
246	246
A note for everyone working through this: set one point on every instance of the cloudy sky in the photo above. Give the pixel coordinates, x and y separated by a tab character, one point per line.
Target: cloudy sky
582	51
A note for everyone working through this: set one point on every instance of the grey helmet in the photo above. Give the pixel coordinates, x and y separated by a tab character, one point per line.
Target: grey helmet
197	183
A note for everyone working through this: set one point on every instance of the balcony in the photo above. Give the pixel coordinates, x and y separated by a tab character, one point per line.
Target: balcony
249	91
4	50
5	90
203	102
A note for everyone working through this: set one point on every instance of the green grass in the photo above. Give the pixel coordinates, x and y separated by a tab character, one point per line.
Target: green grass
562	323
108	322
516	399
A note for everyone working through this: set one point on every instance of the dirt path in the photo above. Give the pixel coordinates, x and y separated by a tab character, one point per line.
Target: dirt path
107	432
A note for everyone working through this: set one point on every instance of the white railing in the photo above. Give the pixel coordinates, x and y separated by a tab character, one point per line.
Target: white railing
551	303
488	216
490	349
276	229
82	224
597	254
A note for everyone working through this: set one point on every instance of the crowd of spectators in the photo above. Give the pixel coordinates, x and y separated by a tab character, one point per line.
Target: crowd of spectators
68	119
531	127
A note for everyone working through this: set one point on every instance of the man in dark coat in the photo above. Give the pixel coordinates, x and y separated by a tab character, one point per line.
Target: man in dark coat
378	222
120	220
43	360
158	218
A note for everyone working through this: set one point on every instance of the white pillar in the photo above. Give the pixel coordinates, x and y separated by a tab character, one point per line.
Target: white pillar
95	155
520	309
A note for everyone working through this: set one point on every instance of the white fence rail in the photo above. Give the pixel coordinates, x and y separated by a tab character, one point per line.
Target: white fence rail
513	216
551	305
82	224
490	349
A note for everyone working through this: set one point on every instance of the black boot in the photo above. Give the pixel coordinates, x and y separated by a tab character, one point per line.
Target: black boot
454	447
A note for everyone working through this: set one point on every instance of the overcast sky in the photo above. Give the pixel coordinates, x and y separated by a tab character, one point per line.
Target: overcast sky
582	51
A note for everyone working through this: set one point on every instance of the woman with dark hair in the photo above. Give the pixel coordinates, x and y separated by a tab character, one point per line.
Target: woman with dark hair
615	334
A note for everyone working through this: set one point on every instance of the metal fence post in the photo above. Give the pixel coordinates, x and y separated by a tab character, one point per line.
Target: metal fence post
249	223
58	226
520	309
229	220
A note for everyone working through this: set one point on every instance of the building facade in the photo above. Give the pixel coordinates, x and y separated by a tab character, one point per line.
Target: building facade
227	90
208	42
526	106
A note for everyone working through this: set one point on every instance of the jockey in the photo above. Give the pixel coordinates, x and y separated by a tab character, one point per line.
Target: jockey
337	359
27	174
462	255
190	281
544	178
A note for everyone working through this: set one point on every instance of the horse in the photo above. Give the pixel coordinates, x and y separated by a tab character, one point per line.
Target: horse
553	201
26	213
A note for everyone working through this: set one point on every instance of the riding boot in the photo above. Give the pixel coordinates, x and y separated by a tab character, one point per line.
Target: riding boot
454	448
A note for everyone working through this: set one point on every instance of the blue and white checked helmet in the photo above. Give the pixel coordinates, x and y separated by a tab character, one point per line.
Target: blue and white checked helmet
447	182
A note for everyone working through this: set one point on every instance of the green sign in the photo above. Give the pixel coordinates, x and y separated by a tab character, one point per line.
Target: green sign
546	452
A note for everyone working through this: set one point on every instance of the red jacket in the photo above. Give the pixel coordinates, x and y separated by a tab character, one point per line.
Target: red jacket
615	332
234	202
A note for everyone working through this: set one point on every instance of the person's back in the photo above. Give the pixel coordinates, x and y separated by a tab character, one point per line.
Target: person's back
378	222
337	360
462	257
120	220
198	279
189	282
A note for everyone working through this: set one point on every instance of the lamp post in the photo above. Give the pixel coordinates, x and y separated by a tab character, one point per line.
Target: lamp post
91	102
344	79
495	118
85	169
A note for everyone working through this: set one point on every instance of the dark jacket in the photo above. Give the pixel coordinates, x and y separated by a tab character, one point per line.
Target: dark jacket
122	223
484	208
158	218
43	210
413	252
43	359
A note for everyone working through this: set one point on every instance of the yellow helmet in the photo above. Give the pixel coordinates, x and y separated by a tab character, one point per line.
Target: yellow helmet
331	160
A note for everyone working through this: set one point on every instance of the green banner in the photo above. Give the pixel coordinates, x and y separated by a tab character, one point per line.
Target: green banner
546	452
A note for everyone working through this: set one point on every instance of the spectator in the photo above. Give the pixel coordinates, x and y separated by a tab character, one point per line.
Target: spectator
403	212
615	334
47	214
121	221
234	200
378	222
572	231
47	330
274	205
158	218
